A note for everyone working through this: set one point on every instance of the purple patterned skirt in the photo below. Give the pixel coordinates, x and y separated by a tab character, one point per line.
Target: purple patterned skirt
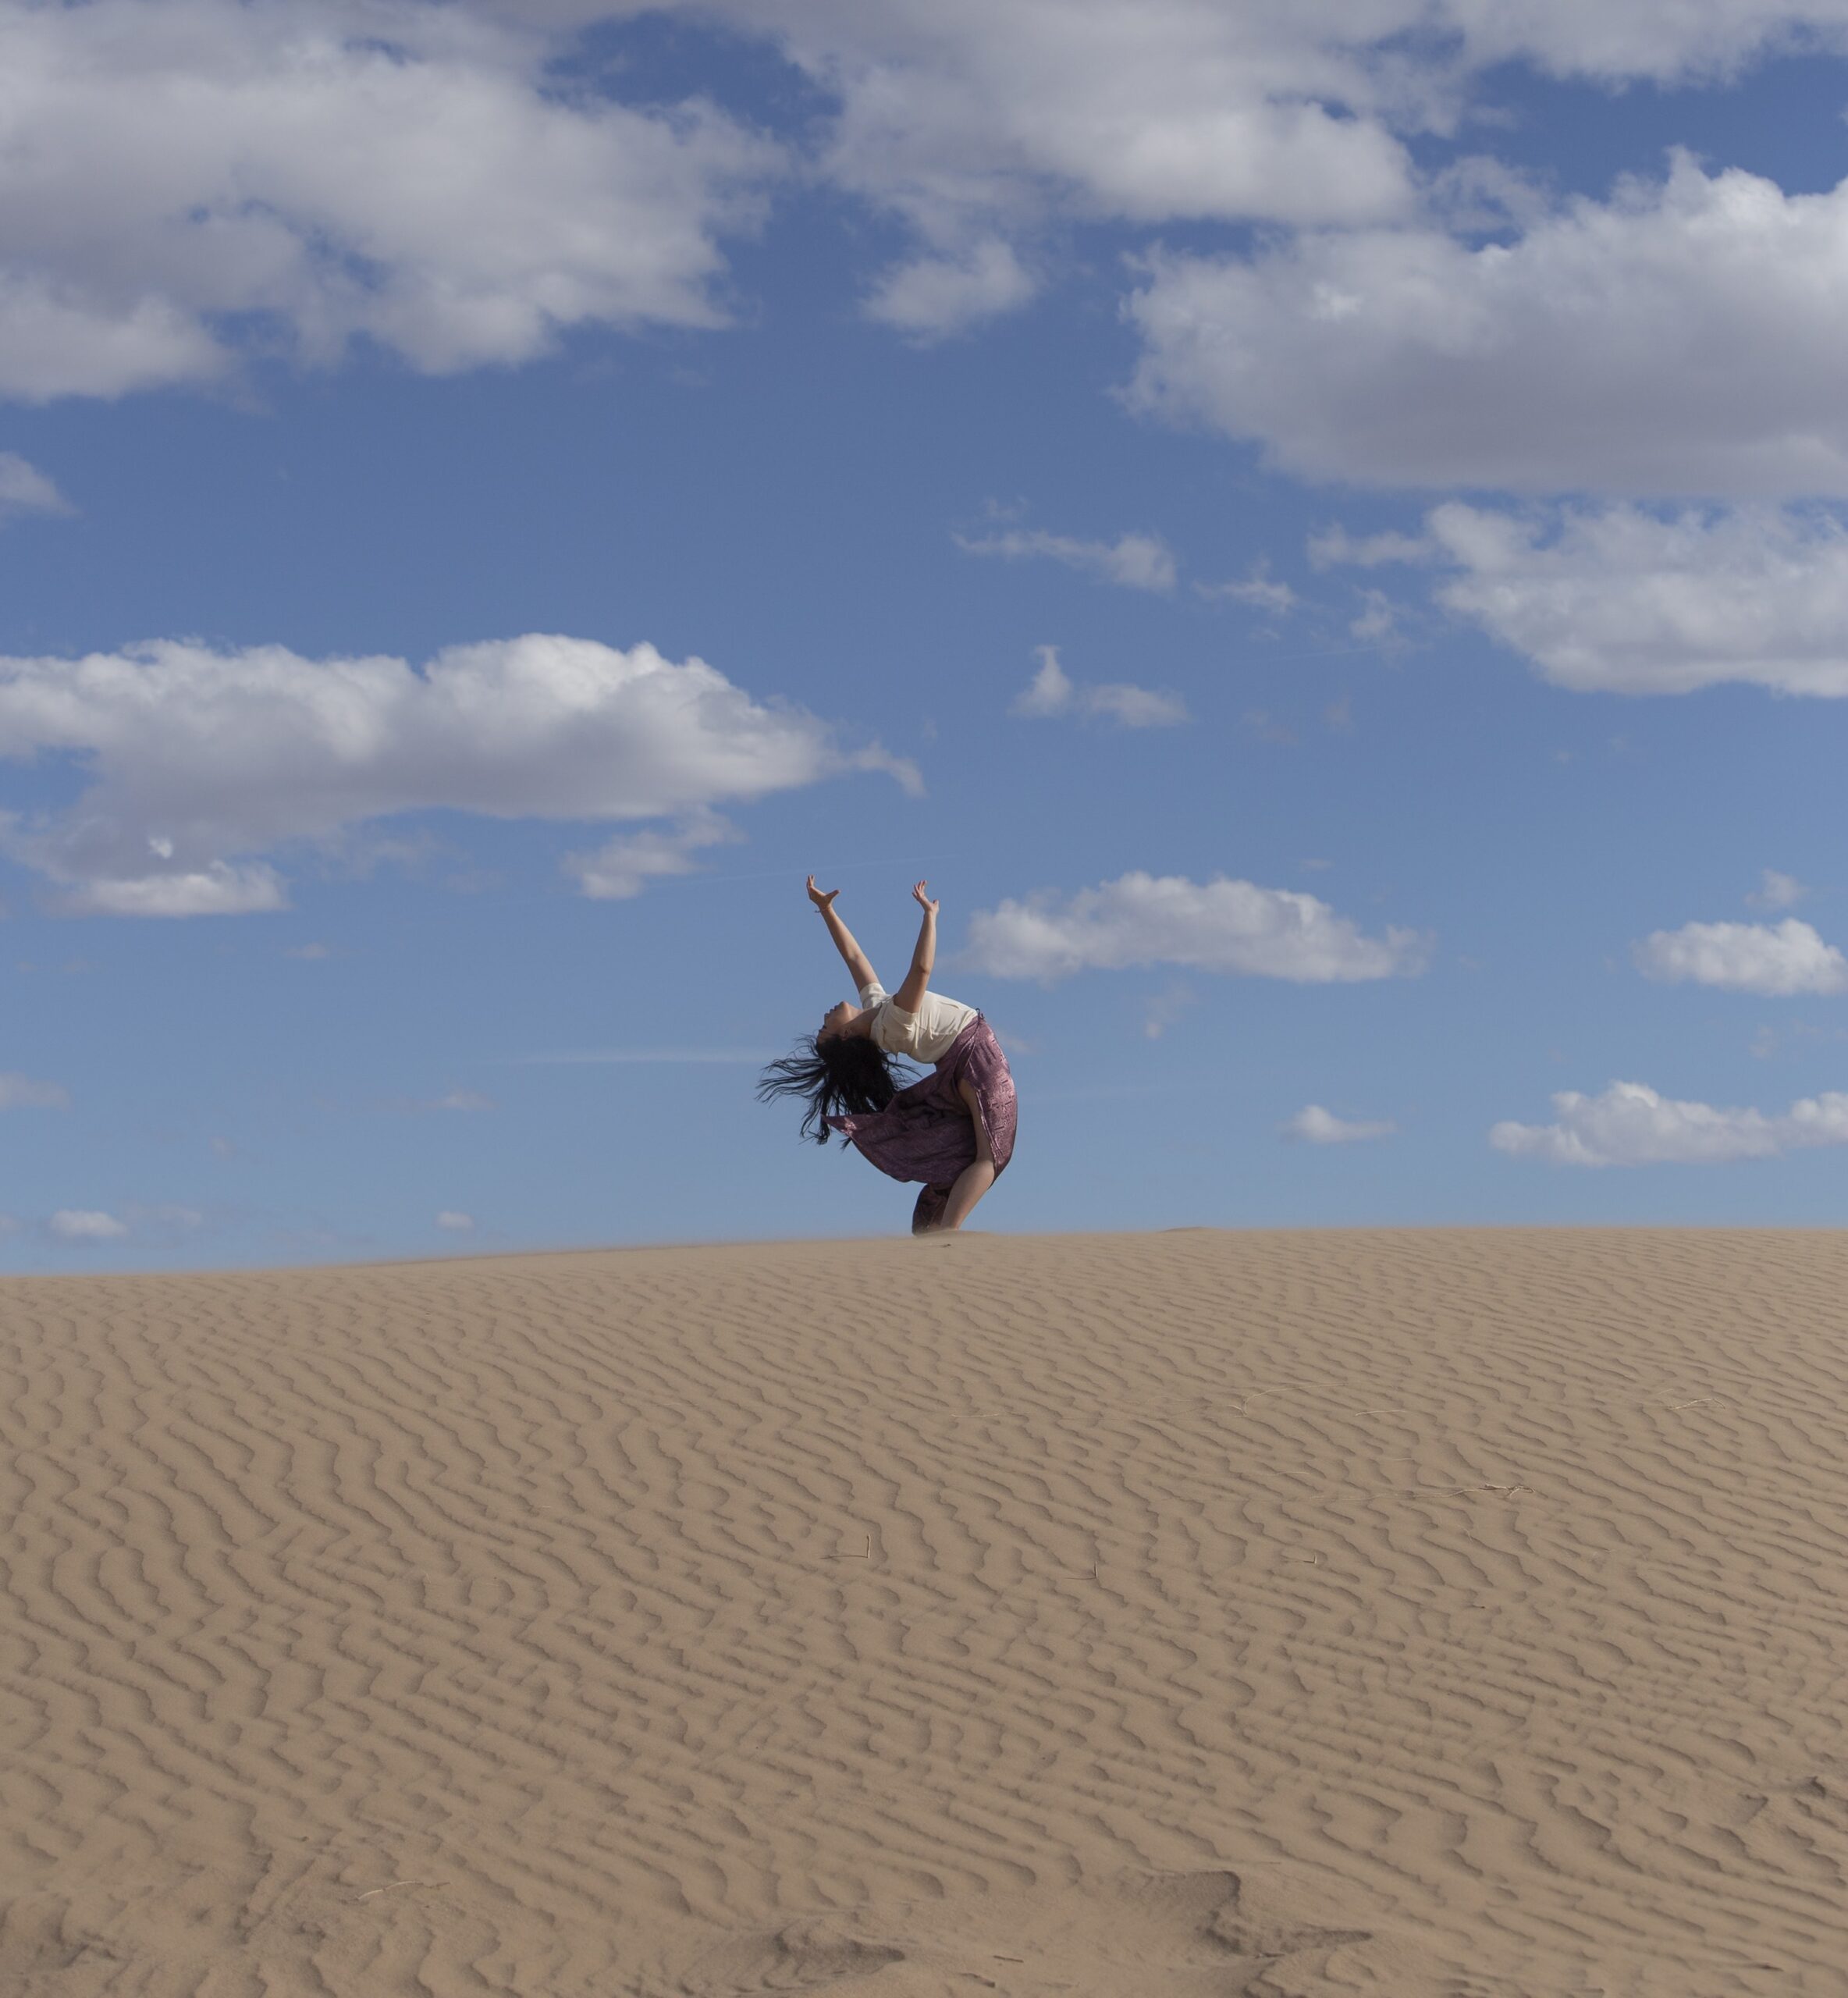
924	1131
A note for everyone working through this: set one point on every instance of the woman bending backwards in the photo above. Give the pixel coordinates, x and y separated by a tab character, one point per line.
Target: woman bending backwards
953	1129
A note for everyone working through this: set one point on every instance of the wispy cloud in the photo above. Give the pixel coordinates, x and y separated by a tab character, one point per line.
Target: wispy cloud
19	1092
1136	561
1776	890
25	489
1260	589
1314	1126
85	1224
1052	691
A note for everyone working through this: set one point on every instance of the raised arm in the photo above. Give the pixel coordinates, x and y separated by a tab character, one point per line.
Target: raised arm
854	957
917	980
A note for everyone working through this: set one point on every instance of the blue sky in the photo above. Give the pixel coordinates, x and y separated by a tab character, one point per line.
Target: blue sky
1406	456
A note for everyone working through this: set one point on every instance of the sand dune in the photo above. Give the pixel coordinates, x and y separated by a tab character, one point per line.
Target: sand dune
1392	1613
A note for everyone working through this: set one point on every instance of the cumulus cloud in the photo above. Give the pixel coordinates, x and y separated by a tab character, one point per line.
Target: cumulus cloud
1681	337
1776	890
85	1224
931	296
1618	599
1631	1125
1181	108
1778	959
1137	561
197	762
1221	925
1314	1126
19	1092
1052	691
25	489
188	177
185	180
460	1223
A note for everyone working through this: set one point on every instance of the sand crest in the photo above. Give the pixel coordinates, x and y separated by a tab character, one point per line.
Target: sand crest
1396	1612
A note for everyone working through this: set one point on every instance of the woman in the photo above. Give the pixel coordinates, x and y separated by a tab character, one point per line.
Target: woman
953	1129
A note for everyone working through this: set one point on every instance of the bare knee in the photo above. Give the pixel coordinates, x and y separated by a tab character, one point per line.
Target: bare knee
972	1102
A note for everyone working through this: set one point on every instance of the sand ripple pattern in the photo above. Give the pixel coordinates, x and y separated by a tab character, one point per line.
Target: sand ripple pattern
1389	1612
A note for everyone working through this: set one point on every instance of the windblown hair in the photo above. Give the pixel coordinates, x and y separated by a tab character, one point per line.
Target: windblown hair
842	1073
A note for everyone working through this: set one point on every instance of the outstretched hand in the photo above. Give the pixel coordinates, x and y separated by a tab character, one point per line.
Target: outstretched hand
822	897
923	900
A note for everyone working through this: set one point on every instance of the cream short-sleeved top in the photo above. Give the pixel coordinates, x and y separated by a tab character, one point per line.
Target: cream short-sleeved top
925	1035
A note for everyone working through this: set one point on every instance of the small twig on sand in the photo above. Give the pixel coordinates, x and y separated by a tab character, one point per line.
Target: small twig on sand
392	1889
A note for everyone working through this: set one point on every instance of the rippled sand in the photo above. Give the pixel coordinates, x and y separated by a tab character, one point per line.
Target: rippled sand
1397	1612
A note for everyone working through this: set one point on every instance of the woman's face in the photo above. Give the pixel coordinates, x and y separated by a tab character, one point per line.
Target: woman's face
836	1018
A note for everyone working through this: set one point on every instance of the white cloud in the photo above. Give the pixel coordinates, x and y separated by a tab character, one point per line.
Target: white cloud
1778	959
1134	707
187	178
166	1215
215	890
25	489
1620	600
1260	589
464	1100
1683	337
1776	890
1377	622
623	866
961	115
1137	561
85	1224
19	1092
1194	107
1314	1126
1335	545
932	296
1631	1125
1667	40
1165	1009
460	1223
1052	691
1223	926
197	761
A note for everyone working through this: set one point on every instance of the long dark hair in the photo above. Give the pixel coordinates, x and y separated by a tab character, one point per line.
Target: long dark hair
844	1073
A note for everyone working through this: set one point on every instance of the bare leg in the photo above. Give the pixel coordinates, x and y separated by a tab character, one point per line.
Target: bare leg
975	1180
